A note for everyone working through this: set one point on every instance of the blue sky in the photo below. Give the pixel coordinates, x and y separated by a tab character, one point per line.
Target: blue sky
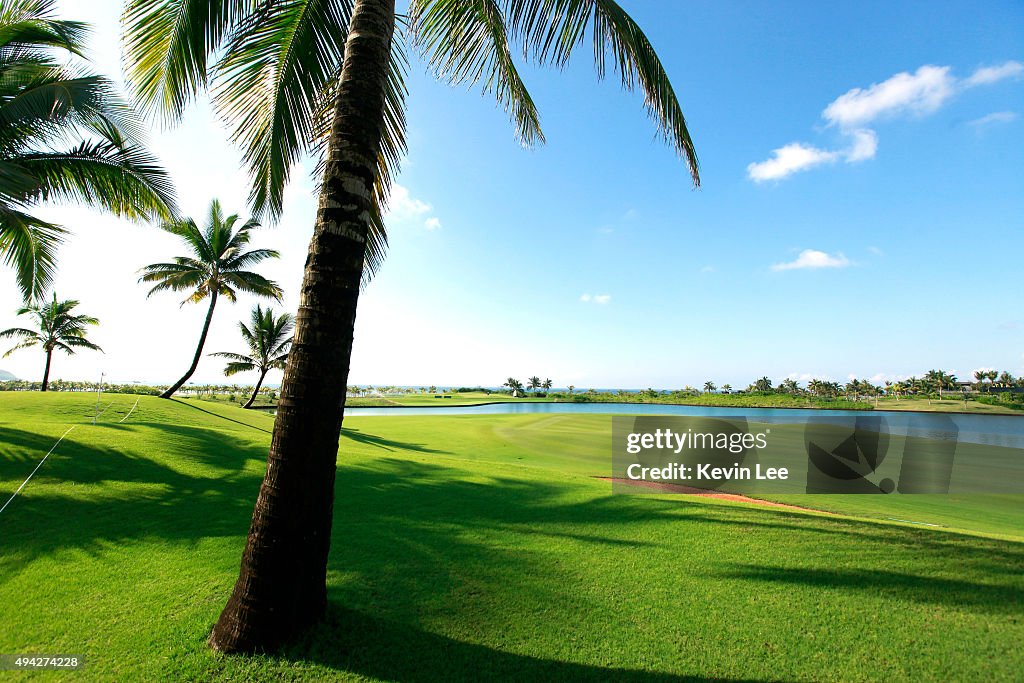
861	212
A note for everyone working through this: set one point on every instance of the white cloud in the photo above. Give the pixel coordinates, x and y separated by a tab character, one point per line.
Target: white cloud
864	145
810	259
991	74
403	206
994	117
707	269
596	298
922	92
788	160
919	93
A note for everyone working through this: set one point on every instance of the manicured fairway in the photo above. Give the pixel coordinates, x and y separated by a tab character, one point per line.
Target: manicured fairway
475	547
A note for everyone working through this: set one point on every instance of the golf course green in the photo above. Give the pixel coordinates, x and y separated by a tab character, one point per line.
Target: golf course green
471	547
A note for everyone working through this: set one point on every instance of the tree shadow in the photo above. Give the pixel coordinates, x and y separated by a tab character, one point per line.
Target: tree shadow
385	443
358	643
219	416
972	595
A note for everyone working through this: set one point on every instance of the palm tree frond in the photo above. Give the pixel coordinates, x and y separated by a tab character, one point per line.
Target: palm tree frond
167	43
466	43
550	30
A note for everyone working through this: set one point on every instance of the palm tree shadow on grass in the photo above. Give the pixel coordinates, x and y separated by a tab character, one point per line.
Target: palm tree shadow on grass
356	642
219	416
385	443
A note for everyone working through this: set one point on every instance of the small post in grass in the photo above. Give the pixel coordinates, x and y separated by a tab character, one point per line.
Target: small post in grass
99	390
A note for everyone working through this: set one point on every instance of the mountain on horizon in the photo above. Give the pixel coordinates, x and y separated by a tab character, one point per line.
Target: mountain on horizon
6	376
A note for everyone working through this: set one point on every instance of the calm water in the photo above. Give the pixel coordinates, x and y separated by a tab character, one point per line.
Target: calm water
997	430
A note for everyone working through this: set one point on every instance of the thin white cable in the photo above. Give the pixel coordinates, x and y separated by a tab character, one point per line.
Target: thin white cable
37	467
130	411
104	410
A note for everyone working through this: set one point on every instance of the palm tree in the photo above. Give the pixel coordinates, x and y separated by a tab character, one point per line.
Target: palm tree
515	385
727	388
763	384
268	340
570	389
56	328
547	384
216	267
65	136
280	87
534	383
980	376
709	386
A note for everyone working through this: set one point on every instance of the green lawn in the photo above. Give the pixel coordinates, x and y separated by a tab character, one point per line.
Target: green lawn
477	547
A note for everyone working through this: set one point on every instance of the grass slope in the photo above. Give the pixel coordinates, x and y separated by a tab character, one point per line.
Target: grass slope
470	548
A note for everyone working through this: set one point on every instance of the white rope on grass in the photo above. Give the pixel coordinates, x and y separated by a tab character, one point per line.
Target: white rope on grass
37	467
104	410
130	411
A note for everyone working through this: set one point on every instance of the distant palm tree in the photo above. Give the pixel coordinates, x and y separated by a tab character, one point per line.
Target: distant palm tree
1005	380
570	389
763	384
216	267
727	388
980	376
546	385
268	340
533	383
65	136
515	385
57	328
709	386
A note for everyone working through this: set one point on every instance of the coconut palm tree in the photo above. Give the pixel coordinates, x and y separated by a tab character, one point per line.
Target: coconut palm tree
65	136
280	86
533	383
709	386
727	388
216	267
515	385
547	384
56	329
268	340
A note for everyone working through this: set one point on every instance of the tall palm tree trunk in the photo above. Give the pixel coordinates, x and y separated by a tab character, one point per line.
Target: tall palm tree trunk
199	350
256	391
282	585
46	372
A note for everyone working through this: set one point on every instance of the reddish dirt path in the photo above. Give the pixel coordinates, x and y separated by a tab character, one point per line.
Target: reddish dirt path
691	491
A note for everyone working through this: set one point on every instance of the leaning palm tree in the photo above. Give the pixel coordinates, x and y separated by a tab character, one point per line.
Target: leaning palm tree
278	82
65	136
216	267
57	328
268	340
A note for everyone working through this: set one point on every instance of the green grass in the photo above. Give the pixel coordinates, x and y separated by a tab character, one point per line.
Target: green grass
944	406
474	548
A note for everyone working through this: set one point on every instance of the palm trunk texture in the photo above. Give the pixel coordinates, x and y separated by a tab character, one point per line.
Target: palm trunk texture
199	350
282	585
